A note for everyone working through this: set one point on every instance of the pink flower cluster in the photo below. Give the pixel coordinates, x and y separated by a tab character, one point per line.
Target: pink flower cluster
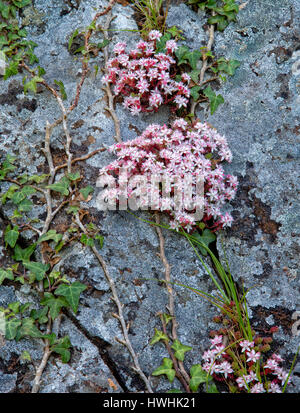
146	78
175	152
218	362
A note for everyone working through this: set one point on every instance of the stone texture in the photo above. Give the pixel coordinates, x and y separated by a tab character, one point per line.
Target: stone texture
260	119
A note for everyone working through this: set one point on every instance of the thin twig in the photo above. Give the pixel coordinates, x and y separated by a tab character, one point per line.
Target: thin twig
126	342
110	108
171	305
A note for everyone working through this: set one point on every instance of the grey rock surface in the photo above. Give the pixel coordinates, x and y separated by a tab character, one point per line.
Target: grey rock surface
260	119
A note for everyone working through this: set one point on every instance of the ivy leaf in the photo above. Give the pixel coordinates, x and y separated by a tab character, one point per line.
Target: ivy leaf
228	67
9	193
55	304
6	274
159	335
166	368
195	92
23	254
86	240
71	293
103	44
61	347
37	268
161	43
214	100
86	191
14	307
181	54
198	376
18	197
62	90
212	388
31	85
21	3
193	58
62	186
11	328
206	238
28	328
40	315
50	235
25	205
38	178
11	235
180	349
74	176
195	75
100	239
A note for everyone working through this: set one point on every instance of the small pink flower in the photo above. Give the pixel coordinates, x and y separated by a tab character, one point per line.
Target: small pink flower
252	355
216	340
246	345
258	388
171	46
154	35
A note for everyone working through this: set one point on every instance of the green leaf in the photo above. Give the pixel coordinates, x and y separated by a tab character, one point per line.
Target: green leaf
73	35
37	268
212	388
71	293
180	53
24	307
161	43
38	178
55	304
18	197
21	3
100	239
228	67
25	205
11	235
86	191
62	90
14	307
9	193
180	349
195	75
193	58
6	274
166	368
198	376
61	347
103	44
40	315
32	84
86	240
214	100
195	92
50	235
74	176
61	186
11	328
23	254
206	238
25	356
159	335
73	209
167	318
28	328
